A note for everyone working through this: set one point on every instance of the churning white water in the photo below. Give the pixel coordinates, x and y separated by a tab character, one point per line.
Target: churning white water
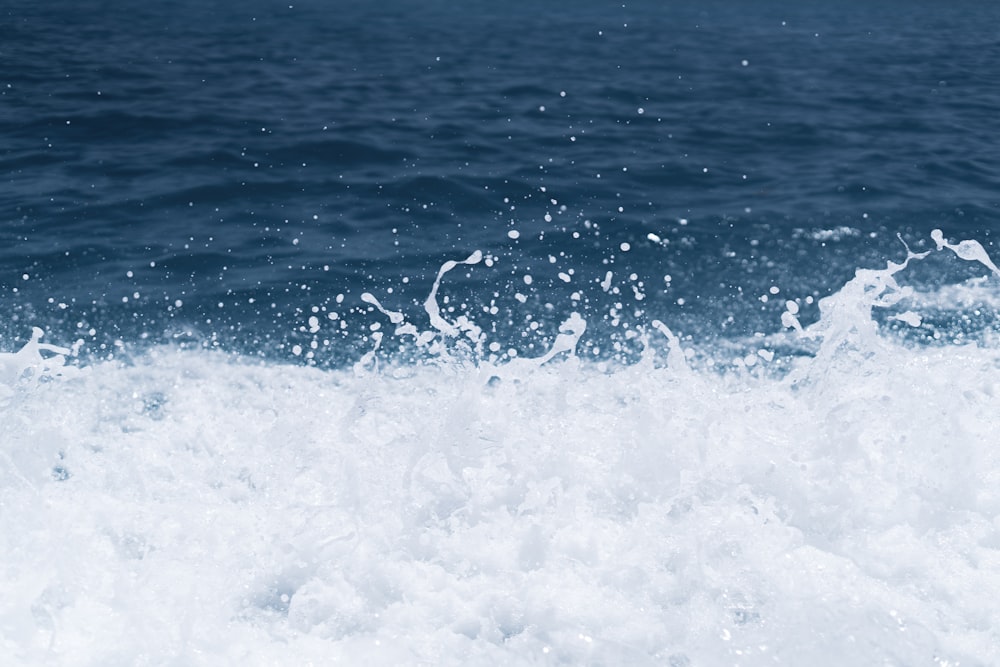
188	508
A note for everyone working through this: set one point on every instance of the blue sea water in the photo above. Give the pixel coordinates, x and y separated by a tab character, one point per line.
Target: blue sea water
213	154
283	421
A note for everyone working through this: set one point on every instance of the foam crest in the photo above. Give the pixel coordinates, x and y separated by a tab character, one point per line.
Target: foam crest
847	331
543	510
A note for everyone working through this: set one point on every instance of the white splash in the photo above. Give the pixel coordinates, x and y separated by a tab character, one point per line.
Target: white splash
909	317
451	329
28	366
187	509
968	250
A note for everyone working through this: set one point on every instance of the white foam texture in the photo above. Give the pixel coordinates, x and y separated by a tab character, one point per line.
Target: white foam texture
188	509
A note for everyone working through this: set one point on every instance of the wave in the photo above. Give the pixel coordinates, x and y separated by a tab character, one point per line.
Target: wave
836	505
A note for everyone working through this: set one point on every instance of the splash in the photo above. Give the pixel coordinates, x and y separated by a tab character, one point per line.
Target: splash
442	327
433	309
969	250
570	331
205	510
29	366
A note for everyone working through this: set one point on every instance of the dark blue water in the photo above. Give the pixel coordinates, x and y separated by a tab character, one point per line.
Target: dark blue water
216	173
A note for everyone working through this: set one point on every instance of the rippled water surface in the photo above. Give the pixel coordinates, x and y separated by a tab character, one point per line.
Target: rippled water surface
213	154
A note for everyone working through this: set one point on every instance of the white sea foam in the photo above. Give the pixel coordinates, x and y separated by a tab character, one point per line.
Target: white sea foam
194	509
29	366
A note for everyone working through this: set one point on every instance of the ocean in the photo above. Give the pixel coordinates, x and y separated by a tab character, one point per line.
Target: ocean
594	333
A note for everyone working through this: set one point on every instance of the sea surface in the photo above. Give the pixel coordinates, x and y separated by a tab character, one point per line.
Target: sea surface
527	333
